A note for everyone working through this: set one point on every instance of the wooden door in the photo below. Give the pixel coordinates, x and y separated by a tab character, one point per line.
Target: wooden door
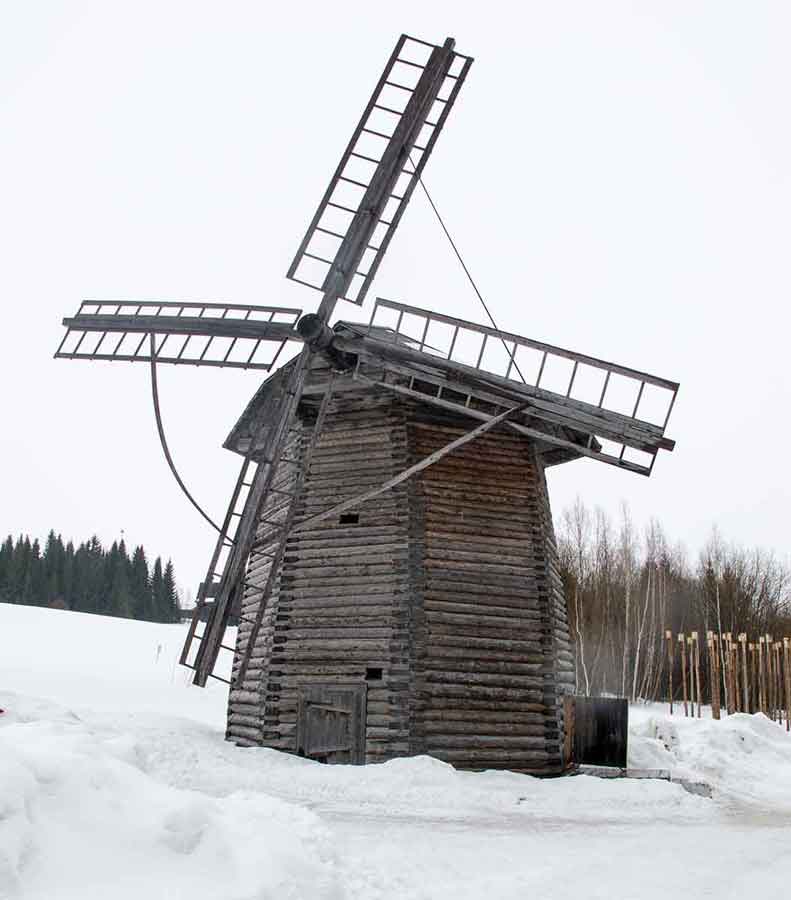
331	722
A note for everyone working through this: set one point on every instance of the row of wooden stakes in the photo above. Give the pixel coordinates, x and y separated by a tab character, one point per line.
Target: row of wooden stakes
752	676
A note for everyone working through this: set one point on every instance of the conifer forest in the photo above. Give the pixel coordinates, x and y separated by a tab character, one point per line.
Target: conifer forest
88	578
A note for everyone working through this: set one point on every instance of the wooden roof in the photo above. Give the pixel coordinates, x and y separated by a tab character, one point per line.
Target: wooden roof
370	375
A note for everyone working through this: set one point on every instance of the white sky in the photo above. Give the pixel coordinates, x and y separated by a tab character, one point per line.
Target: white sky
616	174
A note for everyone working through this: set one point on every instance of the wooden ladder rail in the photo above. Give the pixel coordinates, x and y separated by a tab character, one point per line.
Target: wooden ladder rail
284	531
277	429
226	541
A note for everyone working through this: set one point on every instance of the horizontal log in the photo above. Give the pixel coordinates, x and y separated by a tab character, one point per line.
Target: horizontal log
241	696
524	615
244	731
240	719
516	758
374	616
363	549
349	592
331	631
427	691
440	656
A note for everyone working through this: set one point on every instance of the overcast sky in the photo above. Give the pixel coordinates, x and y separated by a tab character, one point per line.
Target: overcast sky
616	174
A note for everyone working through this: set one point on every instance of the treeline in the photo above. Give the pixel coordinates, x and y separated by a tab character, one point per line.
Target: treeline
87	578
626	587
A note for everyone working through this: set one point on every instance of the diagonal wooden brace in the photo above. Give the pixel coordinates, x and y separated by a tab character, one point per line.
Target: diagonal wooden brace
429	460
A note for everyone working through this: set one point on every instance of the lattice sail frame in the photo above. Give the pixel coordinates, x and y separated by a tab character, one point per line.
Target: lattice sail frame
624	411
227	335
322	248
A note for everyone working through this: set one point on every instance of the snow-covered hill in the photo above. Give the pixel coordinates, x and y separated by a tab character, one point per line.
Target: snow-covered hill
115	782
103	663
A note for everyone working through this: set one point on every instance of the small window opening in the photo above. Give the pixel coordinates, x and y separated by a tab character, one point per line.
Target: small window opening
349	519
373	673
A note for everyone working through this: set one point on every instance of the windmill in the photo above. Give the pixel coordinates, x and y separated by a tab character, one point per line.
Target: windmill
388	548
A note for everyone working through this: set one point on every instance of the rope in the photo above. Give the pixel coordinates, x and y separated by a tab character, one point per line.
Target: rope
511	355
163	441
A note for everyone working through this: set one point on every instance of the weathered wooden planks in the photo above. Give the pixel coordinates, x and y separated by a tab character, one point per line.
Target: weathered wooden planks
441	596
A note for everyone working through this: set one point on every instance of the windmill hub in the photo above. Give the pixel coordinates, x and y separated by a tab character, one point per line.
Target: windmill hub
314	332
433	619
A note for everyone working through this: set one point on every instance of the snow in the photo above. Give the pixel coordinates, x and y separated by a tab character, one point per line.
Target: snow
115	781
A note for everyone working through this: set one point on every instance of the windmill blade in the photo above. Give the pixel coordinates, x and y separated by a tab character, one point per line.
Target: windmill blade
380	168
196	334
622	411
257	481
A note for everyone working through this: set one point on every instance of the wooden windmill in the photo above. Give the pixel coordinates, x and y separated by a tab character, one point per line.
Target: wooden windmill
388	548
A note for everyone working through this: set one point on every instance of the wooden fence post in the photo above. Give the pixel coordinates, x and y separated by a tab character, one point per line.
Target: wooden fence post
714	674
737	677
691	653
697	668
730	681
761	678
683	669
669	637
770	678
745	675
787	662
779	681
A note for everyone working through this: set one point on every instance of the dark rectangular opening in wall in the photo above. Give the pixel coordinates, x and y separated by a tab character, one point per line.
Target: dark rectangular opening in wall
349	519
373	673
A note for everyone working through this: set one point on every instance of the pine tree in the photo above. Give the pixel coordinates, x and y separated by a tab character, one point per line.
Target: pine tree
120	598
171	610
36	576
67	583
94	581
140	585
53	563
6	559
21	567
158	603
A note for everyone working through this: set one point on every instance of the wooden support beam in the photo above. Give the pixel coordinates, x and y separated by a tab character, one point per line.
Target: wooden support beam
535	433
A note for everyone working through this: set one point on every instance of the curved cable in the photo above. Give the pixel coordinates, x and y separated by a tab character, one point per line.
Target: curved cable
164	443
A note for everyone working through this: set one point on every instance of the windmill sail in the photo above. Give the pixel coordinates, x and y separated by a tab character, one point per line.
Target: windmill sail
357	216
624	412
380	168
196	334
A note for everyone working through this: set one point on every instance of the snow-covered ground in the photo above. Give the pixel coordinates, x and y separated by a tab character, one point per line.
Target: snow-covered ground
116	783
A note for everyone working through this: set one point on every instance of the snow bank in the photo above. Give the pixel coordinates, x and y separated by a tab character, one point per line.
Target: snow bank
80	818
116	783
745	758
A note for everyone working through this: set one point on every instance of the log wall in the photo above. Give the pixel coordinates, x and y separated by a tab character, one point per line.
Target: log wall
444	597
492	651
